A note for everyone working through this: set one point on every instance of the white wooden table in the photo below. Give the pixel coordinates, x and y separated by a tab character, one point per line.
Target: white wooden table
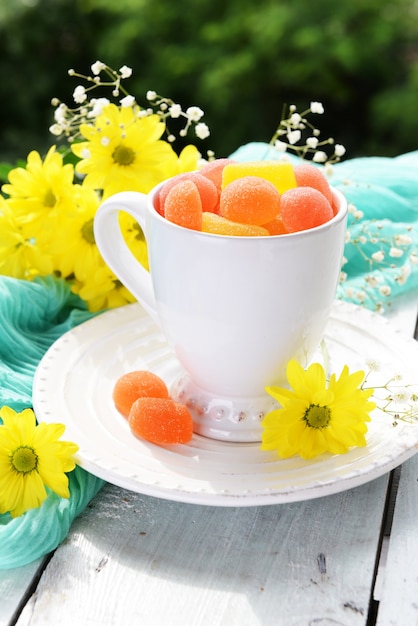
345	559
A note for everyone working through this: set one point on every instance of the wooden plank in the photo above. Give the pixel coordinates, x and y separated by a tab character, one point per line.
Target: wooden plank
133	559
400	580
14	586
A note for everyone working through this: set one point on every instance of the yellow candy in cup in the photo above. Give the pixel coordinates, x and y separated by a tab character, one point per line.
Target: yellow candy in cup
279	173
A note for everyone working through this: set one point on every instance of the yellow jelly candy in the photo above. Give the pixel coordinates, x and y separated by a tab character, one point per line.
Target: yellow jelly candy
279	173
217	225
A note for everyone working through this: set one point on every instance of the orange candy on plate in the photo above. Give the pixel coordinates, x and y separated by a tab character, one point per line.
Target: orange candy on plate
161	421
133	385
143	398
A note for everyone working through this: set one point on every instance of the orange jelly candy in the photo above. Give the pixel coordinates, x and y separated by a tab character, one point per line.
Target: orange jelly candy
218	225
307	175
302	208
183	205
250	200
134	385
213	170
209	194
276	226
161	421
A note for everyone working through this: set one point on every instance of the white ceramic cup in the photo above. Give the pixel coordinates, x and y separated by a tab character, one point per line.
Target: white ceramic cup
234	309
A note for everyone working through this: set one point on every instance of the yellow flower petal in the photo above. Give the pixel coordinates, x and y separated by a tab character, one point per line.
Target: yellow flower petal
32	457
316	416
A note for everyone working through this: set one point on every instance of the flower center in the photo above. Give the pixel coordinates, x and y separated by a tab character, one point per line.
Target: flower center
317	416
49	199
88	232
122	155
24	460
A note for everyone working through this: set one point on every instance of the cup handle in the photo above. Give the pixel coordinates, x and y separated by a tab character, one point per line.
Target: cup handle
115	252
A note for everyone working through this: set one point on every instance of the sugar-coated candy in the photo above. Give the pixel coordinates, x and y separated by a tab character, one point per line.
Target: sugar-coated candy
218	225
137	384
183	205
214	169
304	207
276	226
308	175
249	200
209	194
280	174
161	421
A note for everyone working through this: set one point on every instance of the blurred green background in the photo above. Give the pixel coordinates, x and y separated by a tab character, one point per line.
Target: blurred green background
239	60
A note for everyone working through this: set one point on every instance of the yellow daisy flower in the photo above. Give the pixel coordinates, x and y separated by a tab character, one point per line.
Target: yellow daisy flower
124	152
20	256
31	459
70	240
316	417
40	190
102	290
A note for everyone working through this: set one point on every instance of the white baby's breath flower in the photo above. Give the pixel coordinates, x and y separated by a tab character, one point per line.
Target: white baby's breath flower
413	258
202	130
317	107
403	275
194	113
385	290
339	150
373	281
79	94
97	67
378	256
295	119
125	71
56	129
362	239
395	252
293	136
361	296
281	146
403	240
343	277
127	101
98	105
320	157
151	95
175	111
312	142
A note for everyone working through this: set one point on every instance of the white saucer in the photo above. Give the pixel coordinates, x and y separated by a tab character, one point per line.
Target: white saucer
74	381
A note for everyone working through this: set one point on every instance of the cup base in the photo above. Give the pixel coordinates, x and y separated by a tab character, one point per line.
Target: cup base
236	419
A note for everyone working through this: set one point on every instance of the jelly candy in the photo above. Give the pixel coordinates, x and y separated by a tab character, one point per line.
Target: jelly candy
276	226
218	225
183	205
279	173
307	175
304	207
213	170
137	384
161	421
208	192
250	200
